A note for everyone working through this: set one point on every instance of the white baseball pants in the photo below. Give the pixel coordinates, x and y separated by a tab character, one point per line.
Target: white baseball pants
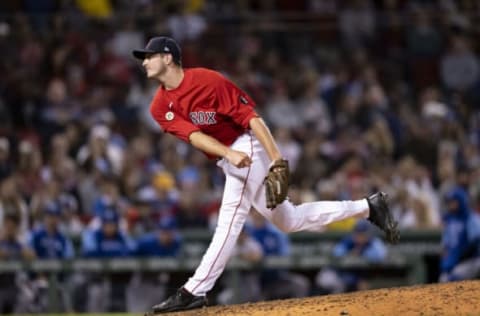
244	189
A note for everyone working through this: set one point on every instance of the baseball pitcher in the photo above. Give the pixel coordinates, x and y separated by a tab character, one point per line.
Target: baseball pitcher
203	108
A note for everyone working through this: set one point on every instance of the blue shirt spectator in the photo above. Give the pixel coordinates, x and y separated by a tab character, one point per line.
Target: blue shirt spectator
10	246
361	243
165	242
473	233
107	241
10	249
47	241
108	197
273	241
460	233
276	283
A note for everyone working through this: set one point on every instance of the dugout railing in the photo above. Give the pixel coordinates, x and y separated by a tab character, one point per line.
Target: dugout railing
406	264
411	271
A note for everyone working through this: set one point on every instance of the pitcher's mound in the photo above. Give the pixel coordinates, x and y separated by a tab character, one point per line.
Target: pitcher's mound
457	298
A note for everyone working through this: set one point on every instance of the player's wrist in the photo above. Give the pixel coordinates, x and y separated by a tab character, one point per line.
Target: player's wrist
226	153
276	160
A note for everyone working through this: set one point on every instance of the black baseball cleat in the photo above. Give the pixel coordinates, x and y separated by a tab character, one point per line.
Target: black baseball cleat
180	301
380	216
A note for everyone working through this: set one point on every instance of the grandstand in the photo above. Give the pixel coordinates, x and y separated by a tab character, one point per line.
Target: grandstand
360	95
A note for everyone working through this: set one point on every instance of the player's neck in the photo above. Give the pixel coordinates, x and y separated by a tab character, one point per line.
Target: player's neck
172	78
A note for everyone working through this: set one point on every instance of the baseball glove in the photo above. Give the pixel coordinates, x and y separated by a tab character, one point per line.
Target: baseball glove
276	183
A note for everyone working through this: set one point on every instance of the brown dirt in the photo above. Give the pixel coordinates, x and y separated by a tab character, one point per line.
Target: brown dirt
457	298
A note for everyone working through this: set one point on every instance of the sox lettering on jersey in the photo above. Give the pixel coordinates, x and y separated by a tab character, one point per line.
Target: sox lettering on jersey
203	118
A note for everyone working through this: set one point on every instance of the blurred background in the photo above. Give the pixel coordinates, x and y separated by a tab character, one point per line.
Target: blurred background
101	212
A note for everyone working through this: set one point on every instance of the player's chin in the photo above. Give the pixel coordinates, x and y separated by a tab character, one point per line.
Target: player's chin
150	73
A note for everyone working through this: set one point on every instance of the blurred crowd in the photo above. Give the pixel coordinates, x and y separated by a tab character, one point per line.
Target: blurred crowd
360	95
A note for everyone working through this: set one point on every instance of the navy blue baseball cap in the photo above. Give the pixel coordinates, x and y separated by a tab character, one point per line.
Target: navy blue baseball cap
160	44
361	226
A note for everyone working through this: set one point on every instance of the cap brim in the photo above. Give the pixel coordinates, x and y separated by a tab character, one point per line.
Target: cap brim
141	53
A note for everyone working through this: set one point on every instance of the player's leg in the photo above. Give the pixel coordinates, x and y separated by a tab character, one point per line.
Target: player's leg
233	212
240	185
236	204
308	216
314	216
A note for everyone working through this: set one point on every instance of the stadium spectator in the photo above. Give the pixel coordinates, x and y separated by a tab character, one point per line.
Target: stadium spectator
460	239
108	241
280	110
360	243
188	212
11	249
184	22
107	292
460	67
101	154
11	202
48	242
147	288
75	122
28	169
165	242
357	23
6	165
276	283
108	197
289	148
249	250
424	45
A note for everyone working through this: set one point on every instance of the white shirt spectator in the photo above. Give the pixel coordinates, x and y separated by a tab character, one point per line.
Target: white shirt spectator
186	27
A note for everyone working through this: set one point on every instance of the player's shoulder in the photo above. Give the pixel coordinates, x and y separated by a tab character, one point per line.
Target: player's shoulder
205	74
201	71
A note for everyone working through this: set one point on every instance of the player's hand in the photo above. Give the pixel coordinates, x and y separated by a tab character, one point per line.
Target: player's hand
238	159
276	183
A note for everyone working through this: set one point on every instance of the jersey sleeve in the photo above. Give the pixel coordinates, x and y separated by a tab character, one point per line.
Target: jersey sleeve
172	122
234	103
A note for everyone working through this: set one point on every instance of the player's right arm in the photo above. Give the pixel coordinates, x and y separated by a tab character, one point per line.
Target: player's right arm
212	146
178	126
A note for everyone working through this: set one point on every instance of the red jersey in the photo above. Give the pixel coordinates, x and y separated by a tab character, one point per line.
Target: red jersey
204	101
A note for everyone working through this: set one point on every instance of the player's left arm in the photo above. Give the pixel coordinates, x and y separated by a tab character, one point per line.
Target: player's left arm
238	106
263	134
276	180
